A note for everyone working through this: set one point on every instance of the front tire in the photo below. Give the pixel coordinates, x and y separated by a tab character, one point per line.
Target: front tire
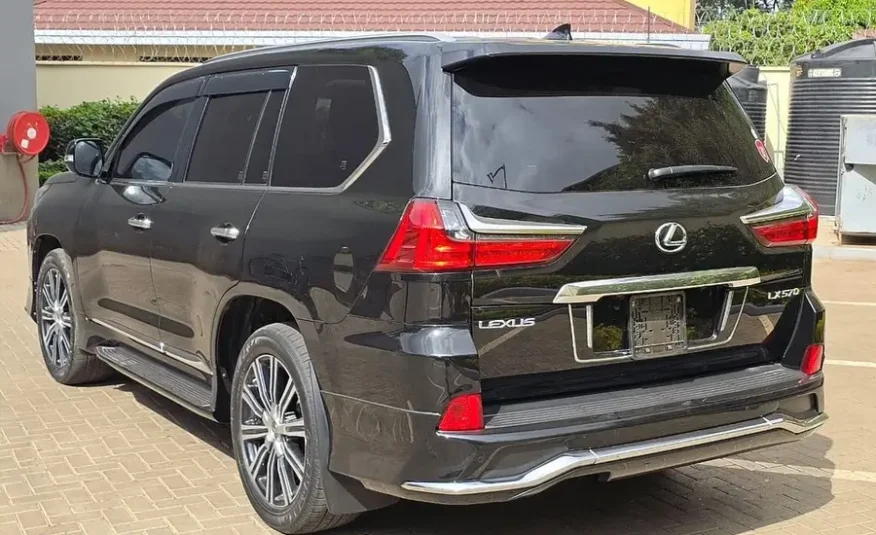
60	324
274	406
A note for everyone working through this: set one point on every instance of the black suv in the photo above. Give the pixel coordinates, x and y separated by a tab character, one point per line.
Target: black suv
452	271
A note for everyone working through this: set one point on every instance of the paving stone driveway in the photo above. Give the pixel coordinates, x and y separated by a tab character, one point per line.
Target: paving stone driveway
115	458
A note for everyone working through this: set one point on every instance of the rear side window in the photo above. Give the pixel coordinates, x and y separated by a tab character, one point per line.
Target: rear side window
551	125
329	127
147	153
224	138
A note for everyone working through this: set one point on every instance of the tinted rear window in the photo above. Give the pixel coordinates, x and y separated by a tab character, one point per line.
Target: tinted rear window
549	125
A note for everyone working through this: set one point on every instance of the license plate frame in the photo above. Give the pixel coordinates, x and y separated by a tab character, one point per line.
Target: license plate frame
657	325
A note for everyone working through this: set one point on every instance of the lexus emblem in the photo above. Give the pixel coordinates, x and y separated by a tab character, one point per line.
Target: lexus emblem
670	238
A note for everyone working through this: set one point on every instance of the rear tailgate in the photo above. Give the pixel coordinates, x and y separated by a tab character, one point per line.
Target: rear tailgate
666	267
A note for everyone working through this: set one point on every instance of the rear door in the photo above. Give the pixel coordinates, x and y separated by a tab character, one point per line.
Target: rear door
199	229
659	163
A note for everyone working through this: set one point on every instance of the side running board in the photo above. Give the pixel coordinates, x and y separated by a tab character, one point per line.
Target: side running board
166	381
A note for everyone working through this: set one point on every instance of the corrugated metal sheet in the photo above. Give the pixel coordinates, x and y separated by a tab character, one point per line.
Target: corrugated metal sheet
838	80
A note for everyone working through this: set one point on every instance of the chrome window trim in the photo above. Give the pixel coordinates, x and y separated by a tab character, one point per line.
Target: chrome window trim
565	463
384	138
200	366
790	203
592	291
487	225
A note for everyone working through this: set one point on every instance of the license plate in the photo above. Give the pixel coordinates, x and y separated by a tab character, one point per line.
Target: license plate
658	325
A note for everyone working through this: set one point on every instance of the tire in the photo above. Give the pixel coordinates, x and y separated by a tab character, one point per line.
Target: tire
292	436
58	309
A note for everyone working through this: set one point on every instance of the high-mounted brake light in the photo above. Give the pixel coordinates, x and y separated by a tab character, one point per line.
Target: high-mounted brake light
432	237
463	413
793	221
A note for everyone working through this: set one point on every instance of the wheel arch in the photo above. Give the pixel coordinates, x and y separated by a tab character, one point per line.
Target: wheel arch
42	245
344	495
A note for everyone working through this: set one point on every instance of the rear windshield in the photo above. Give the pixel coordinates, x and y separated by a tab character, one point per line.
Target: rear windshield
554	124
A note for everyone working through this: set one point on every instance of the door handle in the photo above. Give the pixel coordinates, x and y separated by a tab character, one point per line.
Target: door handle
140	221
225	232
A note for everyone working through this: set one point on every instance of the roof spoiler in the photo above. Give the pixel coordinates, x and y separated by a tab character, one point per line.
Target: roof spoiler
457	57
563	32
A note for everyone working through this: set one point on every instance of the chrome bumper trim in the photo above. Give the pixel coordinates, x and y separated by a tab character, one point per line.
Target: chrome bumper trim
593	291
568	462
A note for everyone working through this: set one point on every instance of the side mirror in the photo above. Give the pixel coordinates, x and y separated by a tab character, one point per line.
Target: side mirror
85	157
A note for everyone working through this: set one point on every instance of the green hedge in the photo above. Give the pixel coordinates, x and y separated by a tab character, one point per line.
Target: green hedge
51	168
775	38
102	119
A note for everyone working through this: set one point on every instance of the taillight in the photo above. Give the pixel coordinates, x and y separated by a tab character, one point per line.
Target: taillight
463	413
797	232
793	221
432	236
813	359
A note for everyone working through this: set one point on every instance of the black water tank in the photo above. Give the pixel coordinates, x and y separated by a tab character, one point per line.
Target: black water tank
752	95
837	80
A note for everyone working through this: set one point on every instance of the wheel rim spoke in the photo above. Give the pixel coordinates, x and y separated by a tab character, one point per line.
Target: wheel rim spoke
56	346
48	332
254	405
253	432
273	372
289	394
56	286
46	292
260	456
293	428
62	303
65	343
260	384
285	483
271	475
296	461
46	314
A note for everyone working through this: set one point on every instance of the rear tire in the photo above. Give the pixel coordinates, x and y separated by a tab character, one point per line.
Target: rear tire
60	324
274	410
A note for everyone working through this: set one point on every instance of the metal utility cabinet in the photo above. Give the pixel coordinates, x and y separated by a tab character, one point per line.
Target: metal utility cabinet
856	183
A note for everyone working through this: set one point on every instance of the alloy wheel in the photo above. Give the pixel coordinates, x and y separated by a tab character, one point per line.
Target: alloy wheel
272	432
56	323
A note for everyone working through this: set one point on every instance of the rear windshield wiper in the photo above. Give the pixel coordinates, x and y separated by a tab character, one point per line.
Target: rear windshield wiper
659	173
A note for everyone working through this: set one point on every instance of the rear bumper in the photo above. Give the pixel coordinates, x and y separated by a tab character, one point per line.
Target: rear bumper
530	447
630	459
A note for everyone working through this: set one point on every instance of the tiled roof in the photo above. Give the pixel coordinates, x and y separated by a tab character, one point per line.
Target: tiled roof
348	15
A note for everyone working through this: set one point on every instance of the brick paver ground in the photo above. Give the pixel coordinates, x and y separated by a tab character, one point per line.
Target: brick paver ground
116	458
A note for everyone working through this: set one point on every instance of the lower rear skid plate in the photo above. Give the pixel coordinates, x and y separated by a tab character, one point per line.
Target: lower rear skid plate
568	462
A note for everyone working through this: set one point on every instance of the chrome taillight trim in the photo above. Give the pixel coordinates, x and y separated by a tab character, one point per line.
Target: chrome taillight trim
488	225
791	203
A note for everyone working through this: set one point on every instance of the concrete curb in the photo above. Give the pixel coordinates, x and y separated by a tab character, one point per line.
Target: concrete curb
855	254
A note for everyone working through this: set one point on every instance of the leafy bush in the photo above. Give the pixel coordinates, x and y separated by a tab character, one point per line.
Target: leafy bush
102	119
774	38
51	168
